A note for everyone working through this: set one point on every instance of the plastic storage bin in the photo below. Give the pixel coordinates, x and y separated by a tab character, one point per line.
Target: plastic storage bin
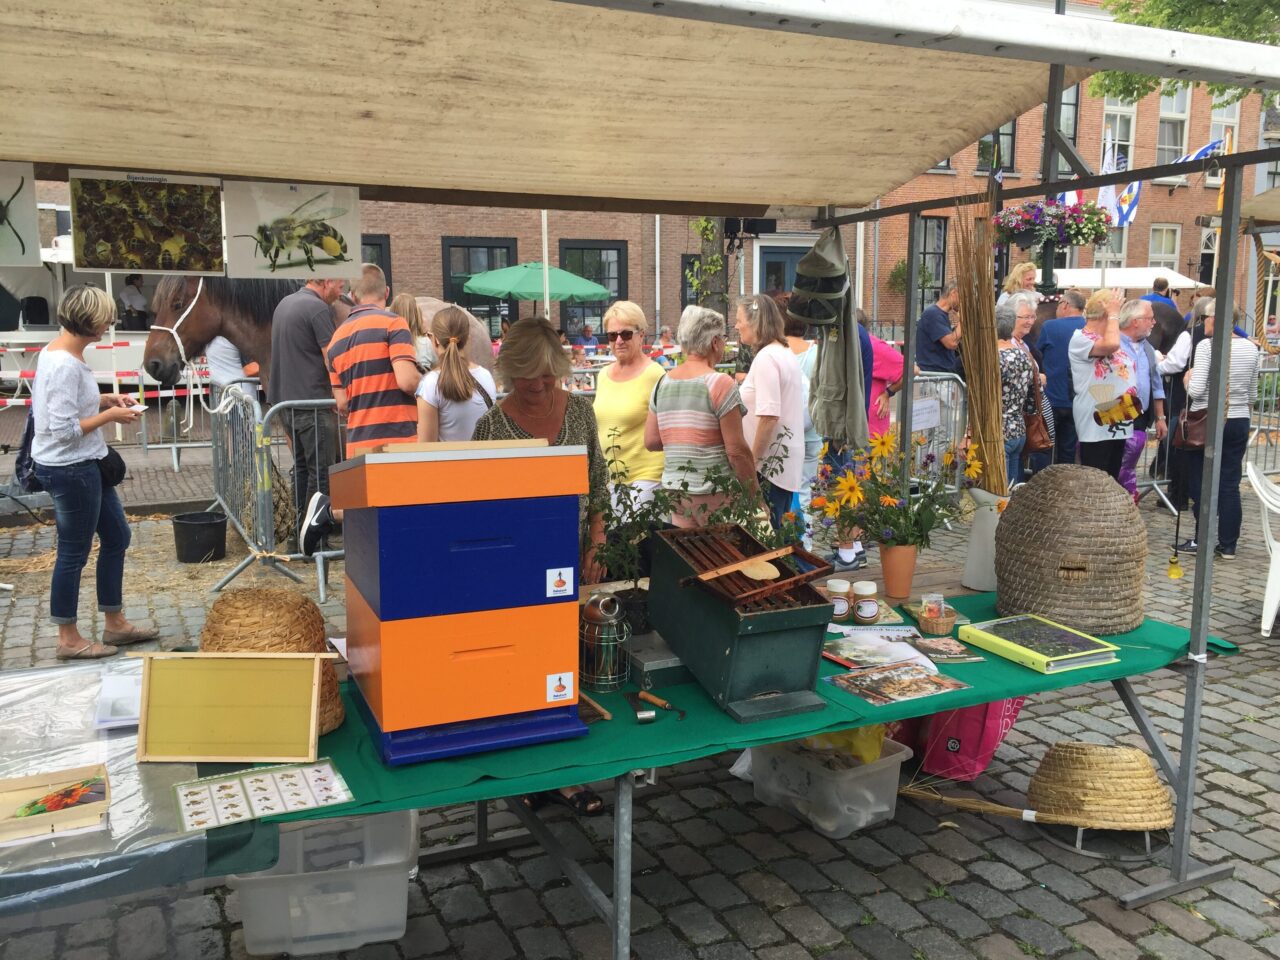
338	884
833	791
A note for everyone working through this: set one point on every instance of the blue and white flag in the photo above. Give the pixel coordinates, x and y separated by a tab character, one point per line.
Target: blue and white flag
1127	204
1107	194
1208	150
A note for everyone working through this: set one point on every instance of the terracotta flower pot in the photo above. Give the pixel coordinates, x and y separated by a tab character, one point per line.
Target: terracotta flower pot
898	567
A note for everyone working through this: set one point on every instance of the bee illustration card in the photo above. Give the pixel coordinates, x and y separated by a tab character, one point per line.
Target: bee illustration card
19	229
260	792
146	223
288	230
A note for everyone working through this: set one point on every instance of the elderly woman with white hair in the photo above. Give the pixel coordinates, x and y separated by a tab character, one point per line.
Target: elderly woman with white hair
695	418
622	403
1014	318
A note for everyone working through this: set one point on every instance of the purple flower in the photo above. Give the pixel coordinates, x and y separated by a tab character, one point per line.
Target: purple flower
828	522
886	533
902	503
930	459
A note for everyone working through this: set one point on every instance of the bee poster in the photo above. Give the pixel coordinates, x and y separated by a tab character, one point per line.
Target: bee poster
146	223
292	230
19	229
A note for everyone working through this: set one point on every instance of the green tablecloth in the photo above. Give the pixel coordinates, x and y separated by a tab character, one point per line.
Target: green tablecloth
616	746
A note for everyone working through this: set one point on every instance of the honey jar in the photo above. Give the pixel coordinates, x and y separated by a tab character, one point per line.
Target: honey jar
866	606
838	592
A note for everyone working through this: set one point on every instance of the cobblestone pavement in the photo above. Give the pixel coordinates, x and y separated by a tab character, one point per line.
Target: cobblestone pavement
720	877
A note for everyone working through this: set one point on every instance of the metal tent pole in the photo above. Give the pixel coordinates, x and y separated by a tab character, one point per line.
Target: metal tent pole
1187	873
909	351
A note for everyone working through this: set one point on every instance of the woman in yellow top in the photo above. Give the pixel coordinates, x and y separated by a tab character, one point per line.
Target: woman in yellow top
622	402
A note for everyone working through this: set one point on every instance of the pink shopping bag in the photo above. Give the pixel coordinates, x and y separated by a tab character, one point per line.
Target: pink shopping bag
959	744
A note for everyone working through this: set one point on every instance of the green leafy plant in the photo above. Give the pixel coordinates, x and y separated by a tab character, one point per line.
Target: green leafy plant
898	278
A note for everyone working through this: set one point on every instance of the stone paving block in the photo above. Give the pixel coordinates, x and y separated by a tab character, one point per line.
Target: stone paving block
733	821
423	937
939	869
753	926
898	839
1037	933
141	934
954	845
542	943
806	925
775	820
102	953
878	941
998	947
89	931
1242	846
1168	947
725	951
768	890
800	875
894	912
1233	919
1015	853
1103	942
813	846
446	875
982	900
1064	883
460	903
1047	906
40	945
705	798
670	808
936	945
653	833
566	905
837	907
906	880
684	861
659	944
496	875
731	860
1229	948
205	944
660	888
517	908
699	832
867	852
1245	894
788	951
1270	945
697	924
1180	921
482	941
717	892
955	917
851	877
763	846
999	875
1129	923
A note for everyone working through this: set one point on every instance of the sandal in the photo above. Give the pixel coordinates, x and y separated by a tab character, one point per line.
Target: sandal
584	802
134	634
534	801
90	651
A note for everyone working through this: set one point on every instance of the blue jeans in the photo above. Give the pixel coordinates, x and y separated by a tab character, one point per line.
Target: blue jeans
1064	435
1013	458
1235	440
82	507
776	499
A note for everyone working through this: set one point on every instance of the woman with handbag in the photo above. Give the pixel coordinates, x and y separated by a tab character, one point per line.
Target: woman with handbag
1016	375
79	471
1242	393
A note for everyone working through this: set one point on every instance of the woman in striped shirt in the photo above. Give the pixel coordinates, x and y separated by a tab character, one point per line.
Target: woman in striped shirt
695	418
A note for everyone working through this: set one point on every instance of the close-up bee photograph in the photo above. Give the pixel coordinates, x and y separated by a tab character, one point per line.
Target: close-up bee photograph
284	230
146	223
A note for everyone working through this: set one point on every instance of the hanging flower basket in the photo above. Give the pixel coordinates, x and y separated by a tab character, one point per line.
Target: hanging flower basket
1043	221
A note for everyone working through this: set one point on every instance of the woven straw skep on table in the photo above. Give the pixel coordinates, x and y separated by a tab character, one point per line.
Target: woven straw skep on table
1072	547
1101	788
274	620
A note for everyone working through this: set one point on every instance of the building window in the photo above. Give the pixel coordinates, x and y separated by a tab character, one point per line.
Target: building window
1224	122
605	262
943	164
1069	124
1006	139
1171	139
463	258
932	257
376	248
1066	258
1273	174
1165	240
688	264
1118	117
1113	254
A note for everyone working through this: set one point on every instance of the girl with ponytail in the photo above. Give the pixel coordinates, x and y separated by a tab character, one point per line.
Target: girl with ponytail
453	396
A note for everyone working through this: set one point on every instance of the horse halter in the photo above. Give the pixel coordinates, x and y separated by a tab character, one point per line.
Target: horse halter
182	353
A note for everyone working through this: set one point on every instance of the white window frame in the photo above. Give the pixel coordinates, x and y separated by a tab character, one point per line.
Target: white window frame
1171	114
1115	107
1219	124
1114	259
1164	261
775	240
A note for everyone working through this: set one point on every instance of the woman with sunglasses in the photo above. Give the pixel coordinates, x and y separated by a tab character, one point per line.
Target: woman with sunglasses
622	403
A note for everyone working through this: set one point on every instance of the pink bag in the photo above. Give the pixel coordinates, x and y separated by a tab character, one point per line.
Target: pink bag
959	744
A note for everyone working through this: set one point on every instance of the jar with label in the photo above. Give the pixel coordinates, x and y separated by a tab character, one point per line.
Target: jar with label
838	591
866	606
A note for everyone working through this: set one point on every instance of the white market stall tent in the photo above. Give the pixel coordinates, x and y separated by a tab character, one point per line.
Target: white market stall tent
1125	278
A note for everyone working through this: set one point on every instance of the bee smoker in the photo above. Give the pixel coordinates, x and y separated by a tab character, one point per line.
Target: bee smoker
604	632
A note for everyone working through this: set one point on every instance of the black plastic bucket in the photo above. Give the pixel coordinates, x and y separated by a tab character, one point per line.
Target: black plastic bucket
200	537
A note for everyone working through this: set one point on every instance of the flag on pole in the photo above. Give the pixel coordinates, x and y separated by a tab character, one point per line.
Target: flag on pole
1127	204
1107	194
1210	148
1069	198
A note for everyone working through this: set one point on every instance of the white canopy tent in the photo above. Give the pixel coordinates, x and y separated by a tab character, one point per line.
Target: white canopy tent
1125	278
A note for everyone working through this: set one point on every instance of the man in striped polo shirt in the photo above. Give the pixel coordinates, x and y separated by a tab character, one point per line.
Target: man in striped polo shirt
373	369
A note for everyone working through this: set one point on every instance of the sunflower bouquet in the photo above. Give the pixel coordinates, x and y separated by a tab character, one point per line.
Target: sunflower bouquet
896	517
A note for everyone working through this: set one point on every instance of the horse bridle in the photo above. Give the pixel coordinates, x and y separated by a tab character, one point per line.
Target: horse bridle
182	353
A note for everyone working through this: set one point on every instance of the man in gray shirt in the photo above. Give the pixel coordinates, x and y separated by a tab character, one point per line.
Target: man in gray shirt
301	328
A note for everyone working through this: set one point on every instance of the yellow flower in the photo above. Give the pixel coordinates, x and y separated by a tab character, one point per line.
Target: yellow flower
1001	505
822	454
882	445
888	501
949	458
847	491
973	468
832	509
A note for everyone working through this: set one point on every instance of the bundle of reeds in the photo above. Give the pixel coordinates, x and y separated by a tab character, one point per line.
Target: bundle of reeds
979	347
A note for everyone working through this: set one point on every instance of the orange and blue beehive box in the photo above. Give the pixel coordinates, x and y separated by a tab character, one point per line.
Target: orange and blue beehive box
462	594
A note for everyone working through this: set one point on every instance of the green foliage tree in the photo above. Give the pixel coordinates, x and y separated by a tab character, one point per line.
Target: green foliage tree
898	277
1257	21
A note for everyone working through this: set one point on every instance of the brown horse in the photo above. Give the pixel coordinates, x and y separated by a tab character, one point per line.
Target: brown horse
191	311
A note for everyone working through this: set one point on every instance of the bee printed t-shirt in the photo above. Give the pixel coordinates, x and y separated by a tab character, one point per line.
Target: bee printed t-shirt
1106	391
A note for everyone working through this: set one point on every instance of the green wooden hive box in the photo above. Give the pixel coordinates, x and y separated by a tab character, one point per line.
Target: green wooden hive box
756	659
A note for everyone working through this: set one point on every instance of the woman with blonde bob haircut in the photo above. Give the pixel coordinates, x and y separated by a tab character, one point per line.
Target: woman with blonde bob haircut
622	403
456	394
68	414
1022	277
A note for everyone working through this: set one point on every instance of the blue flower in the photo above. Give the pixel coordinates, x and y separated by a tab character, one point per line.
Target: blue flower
886	533
902	503
930	459
828	522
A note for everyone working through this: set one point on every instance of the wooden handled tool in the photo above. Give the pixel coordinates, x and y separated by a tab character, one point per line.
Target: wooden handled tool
658	702
737	565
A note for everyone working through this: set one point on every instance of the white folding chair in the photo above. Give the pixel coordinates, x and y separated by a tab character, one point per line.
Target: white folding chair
1269	494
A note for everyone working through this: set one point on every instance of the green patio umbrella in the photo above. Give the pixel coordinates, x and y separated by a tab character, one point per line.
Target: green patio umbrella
524	282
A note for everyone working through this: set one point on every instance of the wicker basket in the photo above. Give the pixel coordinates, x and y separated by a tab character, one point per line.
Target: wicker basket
1072	547
938	626
1101	788
274	620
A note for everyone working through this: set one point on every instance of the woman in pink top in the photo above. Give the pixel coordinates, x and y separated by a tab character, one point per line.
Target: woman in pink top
886	370
774	394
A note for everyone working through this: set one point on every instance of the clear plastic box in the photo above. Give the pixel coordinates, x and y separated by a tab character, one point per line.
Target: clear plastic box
338	884
833	791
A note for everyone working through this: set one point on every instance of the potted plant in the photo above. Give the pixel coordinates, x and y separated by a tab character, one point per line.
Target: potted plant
901	521
1038	222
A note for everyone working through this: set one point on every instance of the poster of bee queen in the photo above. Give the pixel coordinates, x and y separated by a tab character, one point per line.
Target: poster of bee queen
286	230
146	222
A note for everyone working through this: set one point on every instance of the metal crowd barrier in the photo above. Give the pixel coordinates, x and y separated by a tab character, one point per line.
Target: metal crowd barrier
254	490
940	410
